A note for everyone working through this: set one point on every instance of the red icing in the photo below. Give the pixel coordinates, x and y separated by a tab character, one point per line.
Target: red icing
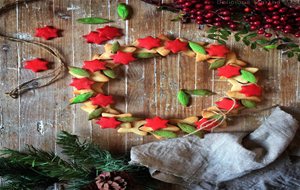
83	83
36	65
47	32
94	65
148	42
109	32
251	90
226	104
208	124
217	50
108	122
123	58
229	71
156	123
176	46
94	37
102	100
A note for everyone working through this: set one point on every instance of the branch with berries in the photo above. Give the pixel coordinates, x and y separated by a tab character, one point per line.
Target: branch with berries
266	24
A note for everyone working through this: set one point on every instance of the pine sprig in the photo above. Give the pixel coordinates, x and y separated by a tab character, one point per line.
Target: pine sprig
34	168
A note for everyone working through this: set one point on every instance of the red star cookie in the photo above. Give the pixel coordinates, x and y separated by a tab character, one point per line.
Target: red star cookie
108	122
205	124
226	104
123	58
217	50
102	100
229	71
109	32
94	37
47	32
94	65
176	46
36	65
251	90
149	42
156	123
83	83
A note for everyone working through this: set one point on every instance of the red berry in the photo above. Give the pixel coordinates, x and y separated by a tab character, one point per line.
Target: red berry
297	34
267	26
253	27
208	7
260	32
268	35
247	9
226	18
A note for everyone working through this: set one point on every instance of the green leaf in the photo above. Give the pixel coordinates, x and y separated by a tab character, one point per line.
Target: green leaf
248	76
78	72
199	92
274	41
197	48
93	20
96	113
262	41
211	36
292	45
290	54
183	98
225	32
251	35
128	119
273	46
246	42
217	63
145	55
123	11
253	45
190	129
212	29
221	42
281	46
164	134
82	98
110	73
224	37
285	39
115	47
248	103
298	57
237	37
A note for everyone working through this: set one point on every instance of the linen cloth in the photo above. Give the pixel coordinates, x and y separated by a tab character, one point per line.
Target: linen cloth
221	160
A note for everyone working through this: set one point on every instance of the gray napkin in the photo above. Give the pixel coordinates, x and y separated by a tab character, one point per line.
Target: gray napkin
219	157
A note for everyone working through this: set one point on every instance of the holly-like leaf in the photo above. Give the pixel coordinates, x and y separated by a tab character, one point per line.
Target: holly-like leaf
197	48
183	98
115	47
248	76
165	134
190	129
270	46
217	63
93	20
128	119
199	92
248	103
145	55
82	98
110	73
78	72
262	41
96	113
123	11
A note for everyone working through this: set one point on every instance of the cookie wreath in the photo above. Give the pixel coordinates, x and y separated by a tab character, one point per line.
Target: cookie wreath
89	79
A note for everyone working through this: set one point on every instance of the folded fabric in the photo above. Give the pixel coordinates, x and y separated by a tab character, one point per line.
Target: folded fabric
219	157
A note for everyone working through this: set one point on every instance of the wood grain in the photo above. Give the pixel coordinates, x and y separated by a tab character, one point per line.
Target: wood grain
145	87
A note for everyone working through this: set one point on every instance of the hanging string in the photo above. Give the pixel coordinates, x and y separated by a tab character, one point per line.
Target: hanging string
41	81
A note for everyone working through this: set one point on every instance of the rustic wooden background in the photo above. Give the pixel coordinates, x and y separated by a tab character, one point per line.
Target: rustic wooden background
145	88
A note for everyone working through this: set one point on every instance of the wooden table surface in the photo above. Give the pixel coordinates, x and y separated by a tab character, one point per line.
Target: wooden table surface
144	88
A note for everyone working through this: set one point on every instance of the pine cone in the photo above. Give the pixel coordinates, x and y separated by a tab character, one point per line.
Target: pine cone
110	181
